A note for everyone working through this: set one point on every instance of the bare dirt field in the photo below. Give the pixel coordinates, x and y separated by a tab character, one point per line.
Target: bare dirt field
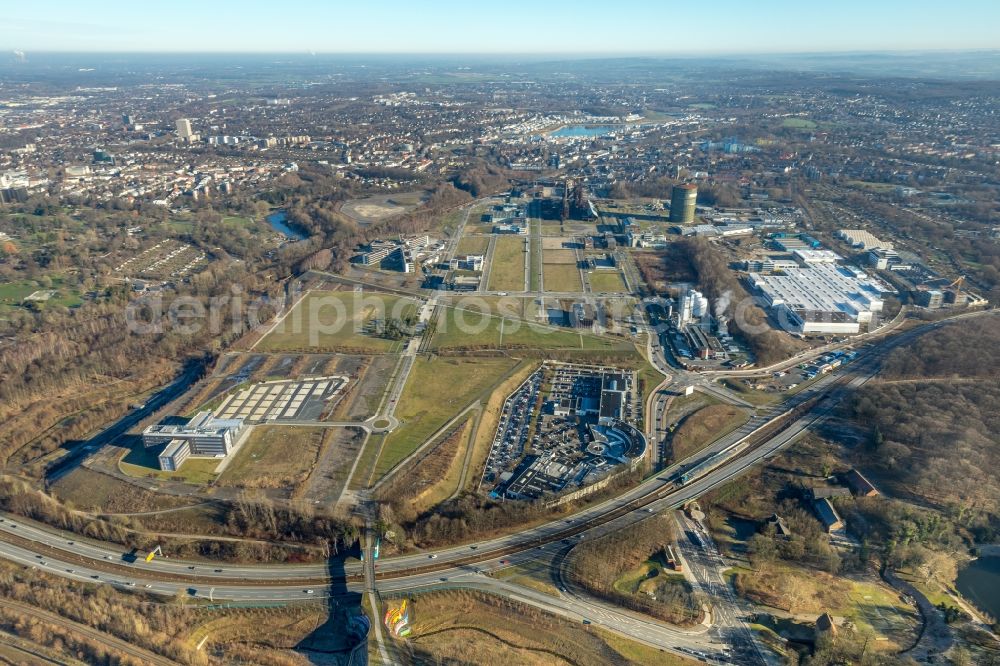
375	208
557	242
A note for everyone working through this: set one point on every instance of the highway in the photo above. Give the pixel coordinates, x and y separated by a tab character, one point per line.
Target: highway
467	565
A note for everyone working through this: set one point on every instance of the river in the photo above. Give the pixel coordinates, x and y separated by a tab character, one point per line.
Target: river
278	222
980	583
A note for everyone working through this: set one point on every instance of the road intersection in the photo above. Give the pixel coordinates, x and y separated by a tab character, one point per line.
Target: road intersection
469	565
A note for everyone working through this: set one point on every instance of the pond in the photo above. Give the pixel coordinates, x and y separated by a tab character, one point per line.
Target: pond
278	222
980	583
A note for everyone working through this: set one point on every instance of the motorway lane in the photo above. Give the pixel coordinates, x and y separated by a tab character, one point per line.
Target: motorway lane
293	573
83	547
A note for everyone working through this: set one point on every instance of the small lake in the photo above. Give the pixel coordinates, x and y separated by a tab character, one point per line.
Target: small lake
279	222
585	130
980	583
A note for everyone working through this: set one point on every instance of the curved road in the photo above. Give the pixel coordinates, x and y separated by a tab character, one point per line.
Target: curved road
73	557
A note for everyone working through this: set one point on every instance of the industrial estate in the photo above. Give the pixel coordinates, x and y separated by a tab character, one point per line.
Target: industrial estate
458	362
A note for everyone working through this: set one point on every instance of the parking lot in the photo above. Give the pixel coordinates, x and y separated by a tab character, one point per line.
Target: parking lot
568	437
512	431
301	400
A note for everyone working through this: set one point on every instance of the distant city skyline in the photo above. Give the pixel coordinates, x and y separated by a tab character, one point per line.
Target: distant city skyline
516	26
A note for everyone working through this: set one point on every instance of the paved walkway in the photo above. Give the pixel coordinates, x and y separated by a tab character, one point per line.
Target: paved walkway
936	636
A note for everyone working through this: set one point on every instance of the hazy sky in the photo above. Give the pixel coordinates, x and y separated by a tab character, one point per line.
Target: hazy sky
506	26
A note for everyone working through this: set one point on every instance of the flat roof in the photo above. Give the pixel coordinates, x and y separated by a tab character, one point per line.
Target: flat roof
821	288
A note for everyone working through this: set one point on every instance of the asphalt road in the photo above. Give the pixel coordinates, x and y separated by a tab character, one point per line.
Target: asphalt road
292	582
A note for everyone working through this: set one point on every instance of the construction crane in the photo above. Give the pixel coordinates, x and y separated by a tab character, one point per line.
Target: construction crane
957	284
153	553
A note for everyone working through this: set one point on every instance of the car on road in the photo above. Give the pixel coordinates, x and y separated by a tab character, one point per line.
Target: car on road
432	556
586	621
147	586
310	591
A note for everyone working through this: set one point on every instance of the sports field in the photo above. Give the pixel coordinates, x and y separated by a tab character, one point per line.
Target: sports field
337	321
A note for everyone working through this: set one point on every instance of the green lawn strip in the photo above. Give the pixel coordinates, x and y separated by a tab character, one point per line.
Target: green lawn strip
430	400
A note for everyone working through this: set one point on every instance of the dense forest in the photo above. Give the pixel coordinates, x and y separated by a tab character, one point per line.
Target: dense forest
934	423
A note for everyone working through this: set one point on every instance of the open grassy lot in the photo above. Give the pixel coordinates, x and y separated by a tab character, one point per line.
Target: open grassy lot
873	607
144	463
507	269
274	457
98	492
535	270
12	294
478	628
798	123
330	321
645	577
437	475
430	400
704	426
606	281
536	574
238	221
562	277
460	328
473	245
560	257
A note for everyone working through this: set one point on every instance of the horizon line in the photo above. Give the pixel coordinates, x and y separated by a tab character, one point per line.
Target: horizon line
581	54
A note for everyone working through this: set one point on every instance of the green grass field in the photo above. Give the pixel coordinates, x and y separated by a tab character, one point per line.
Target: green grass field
141	462
329	321
507	268
12	294
562	277
606	281
798	123
238	221
430	400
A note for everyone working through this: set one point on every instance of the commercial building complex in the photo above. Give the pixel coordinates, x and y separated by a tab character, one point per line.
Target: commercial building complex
862	239
820	298
397	254
204	436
